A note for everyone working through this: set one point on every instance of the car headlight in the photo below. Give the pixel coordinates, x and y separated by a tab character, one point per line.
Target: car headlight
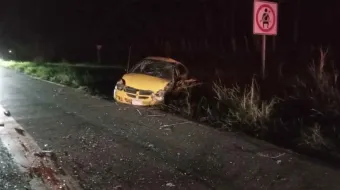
159	96
160	93
120	84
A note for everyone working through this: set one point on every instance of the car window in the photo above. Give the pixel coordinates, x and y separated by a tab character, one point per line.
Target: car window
159	69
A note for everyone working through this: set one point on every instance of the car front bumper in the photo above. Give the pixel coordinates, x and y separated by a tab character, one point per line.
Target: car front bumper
122	97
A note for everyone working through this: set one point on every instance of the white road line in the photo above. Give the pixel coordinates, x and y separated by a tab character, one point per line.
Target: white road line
22	149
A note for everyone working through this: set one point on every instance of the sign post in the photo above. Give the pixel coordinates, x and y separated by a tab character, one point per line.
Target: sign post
265	23
264	40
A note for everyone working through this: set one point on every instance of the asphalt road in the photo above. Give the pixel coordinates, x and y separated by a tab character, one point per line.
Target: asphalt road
104	145
10	175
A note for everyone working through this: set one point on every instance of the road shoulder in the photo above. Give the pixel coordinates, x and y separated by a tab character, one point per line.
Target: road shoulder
37	167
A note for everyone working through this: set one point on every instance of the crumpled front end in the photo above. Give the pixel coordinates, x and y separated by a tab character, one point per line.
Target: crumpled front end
136	98
140	90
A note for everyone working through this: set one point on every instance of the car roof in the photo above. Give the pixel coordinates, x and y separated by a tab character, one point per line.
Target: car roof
166	59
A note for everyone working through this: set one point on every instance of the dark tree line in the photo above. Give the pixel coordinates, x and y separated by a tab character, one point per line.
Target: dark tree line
71	29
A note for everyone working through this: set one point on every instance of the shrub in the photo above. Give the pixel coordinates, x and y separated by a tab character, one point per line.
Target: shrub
244	108
306	117
317	97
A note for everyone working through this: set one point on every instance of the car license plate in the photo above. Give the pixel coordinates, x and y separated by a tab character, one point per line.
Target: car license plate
137	102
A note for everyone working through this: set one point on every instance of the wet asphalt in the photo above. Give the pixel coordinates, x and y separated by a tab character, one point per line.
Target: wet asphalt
104	145
10	175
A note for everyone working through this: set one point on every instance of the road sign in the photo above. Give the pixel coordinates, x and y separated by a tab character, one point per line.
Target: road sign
265	18
265	23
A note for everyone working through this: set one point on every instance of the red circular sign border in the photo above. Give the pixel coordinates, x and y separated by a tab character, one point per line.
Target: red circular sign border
257	20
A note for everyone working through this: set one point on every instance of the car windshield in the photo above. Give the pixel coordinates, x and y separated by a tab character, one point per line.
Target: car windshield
155	68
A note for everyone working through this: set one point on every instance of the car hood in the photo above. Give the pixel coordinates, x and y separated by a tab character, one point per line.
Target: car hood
145	82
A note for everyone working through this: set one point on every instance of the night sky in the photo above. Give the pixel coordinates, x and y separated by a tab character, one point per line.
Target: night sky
70	29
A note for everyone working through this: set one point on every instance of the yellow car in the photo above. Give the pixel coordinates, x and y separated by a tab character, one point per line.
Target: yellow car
149	81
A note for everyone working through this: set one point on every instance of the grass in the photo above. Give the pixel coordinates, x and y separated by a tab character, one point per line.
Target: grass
243	109
305	118
59	74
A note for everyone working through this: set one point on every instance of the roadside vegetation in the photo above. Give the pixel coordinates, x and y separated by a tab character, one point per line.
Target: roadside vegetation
303	114
59	74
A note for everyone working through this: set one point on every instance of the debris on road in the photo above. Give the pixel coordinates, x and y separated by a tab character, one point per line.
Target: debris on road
53	157
2	124
172	125
43	153
272	157
118	187
24	146
20	131
149	145
170	185
140	113
67	137
7	113
160	115
47	174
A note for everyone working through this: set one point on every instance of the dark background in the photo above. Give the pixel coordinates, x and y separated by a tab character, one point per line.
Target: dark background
197	32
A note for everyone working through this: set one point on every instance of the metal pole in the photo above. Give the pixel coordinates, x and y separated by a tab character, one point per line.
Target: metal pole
263	56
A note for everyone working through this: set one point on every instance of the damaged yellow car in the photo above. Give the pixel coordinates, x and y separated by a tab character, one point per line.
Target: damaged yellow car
149	81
